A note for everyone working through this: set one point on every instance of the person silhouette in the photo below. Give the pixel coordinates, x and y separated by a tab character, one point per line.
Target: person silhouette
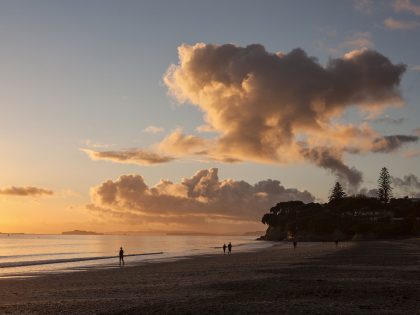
294	244
121	256
336	243
224	249
229	248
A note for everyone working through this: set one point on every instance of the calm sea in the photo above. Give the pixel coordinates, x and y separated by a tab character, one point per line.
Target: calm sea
28	255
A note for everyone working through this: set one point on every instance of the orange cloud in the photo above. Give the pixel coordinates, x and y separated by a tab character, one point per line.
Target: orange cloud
131	156
276	108
178	143
25	191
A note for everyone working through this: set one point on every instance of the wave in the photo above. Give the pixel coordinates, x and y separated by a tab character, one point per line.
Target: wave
66	260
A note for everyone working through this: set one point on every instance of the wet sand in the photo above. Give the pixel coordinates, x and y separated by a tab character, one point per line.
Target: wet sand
381	277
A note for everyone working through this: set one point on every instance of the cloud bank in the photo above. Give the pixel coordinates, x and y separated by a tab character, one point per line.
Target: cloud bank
25	191
194	200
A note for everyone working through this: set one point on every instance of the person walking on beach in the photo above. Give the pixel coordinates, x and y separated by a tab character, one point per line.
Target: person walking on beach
229	248
224	249
121	256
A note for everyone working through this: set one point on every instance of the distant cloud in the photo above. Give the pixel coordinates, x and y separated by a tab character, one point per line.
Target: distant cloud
96	145
25	191
406	6
411	153
415	68
386	120
394	24
354	41
359	40
332	160
368	192
382	144
153	129
364	6
180	144
194	200
409	184
279	107
205	128
392	143
131	156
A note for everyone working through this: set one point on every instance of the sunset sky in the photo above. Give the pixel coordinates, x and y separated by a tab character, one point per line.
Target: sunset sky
201	115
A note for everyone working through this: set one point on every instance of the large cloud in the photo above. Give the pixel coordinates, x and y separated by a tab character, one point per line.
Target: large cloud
281	107
277	108
194	200
25	191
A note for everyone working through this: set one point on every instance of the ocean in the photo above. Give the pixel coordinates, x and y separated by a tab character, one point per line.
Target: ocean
26	255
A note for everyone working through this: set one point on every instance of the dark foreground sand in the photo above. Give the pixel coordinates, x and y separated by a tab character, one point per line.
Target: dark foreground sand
380	277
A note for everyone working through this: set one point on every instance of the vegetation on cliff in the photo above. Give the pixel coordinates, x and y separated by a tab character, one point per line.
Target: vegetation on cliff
346	217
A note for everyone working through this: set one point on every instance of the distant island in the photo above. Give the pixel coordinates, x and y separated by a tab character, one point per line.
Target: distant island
79	232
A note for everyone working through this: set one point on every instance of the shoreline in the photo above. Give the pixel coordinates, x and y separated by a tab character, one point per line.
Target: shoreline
10	270
379	277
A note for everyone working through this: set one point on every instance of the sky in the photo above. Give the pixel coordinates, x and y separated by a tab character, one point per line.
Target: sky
201	115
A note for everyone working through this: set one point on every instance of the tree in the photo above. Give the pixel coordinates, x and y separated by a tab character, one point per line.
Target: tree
337	192
384	186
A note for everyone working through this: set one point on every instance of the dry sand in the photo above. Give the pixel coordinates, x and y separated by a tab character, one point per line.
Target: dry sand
381	277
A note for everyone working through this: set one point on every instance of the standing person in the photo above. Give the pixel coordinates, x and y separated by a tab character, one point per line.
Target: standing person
224	249
294	243
336	243
121	256
229	248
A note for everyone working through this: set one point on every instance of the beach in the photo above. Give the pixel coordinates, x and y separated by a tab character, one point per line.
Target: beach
378	277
